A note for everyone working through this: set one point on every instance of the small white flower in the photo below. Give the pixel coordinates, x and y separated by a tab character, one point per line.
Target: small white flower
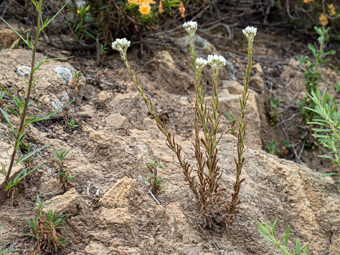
190	27
216	61
201	62
250	32
121	44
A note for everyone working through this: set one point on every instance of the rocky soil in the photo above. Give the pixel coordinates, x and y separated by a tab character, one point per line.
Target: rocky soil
109	208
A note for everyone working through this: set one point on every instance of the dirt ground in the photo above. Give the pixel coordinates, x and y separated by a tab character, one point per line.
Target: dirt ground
109	208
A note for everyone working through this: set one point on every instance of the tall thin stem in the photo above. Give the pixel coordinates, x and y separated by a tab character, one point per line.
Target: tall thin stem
232	209
23	116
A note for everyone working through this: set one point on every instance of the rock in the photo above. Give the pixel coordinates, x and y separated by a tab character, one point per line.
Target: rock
229	102
258	68
114	216
233	87
69	203
64	74
166	58
201	44
57	104
335	246
104	96
7	38
87	110
256	82
6	149
120	194
117	121
23	71
97	248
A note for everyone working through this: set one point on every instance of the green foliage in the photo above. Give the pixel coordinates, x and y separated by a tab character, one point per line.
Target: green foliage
305	14
102	21
5	251
44	228
72	124
337	87
61	155
326	123
310	69
233	120
267	232
274	109
20	106
155	181
64	174
271	147
75	77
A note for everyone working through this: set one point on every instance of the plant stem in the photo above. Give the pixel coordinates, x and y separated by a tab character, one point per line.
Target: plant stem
240	141
23	116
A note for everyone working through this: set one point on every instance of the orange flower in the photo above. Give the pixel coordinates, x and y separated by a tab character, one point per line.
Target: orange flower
181	9
323	19
140	2
144	8
331	9
160	7
132	1
308	1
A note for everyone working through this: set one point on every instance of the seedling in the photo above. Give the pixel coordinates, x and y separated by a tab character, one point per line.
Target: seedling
72	124
64	174
271	147
285	147
44	228
155	181
267	232
274	109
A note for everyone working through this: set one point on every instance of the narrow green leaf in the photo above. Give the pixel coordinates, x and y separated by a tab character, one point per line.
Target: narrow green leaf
16	32
50	20
298	246
7	119
47	116
30	154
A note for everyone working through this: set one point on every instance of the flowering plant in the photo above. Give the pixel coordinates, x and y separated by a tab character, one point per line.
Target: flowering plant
204	179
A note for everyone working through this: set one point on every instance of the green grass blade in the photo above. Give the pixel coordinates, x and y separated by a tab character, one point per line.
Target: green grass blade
30	154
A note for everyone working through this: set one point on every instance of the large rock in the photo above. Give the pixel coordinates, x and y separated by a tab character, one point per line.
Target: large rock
69	203
7	38
229	101
274	188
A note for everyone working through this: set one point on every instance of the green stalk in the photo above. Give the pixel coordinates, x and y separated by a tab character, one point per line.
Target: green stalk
240	142
23	116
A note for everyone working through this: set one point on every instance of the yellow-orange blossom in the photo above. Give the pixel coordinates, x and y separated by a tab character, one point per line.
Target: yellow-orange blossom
144	5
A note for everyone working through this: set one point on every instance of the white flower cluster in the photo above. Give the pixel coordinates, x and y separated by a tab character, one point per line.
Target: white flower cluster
250	32
216	61
201	62
190	27
121	44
